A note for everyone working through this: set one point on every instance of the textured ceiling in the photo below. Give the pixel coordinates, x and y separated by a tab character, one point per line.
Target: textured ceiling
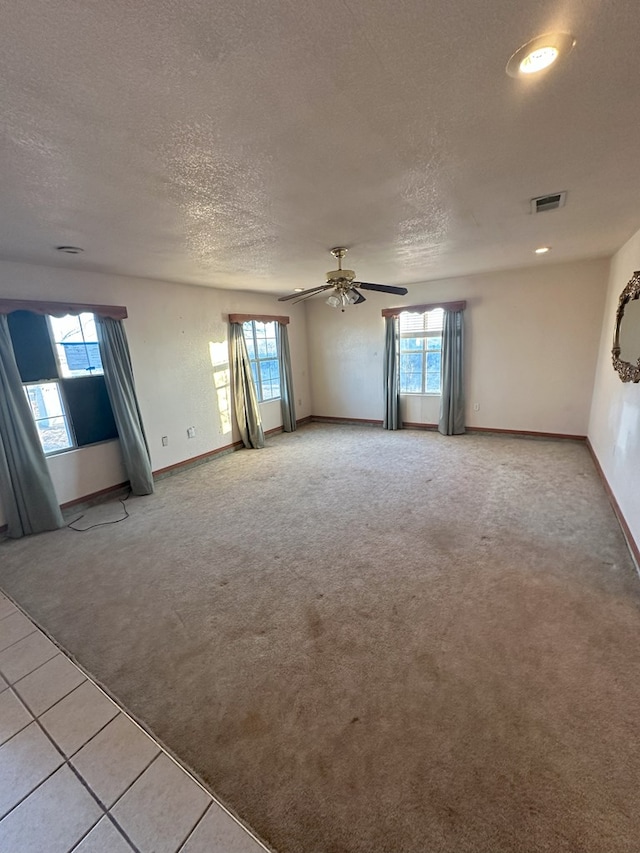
233	143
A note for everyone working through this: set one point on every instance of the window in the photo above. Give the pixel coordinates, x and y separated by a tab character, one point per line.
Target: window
76	343
50	415
262	348
420	352
59	363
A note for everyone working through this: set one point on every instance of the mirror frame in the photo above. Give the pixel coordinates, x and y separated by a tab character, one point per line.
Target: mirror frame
627	371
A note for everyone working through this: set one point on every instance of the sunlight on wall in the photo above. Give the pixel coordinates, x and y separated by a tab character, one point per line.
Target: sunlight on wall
219	354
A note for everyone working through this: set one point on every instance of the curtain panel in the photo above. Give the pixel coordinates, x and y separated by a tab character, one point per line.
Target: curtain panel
391	374
26	488
245	400
118	375
287	400
452	400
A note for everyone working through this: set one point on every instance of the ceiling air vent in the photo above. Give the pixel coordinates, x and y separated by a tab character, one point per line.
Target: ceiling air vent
548	202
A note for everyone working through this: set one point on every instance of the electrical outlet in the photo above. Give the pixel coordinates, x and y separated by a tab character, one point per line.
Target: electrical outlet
191	432
165	440
476	407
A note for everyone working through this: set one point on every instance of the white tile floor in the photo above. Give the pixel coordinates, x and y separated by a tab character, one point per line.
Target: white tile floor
77	774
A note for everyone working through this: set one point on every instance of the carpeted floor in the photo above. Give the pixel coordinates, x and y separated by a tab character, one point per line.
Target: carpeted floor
372	641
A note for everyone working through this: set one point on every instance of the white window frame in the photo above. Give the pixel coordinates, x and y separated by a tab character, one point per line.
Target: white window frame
55	343
65	415
427	324
256	360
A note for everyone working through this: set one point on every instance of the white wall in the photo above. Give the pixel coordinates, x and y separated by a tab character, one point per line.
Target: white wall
176	333
531	348
614	427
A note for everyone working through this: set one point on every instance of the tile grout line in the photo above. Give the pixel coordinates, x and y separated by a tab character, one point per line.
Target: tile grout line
13	692
15	610
11	683
133	782
25	703
67	762
194	827
162	749
18	640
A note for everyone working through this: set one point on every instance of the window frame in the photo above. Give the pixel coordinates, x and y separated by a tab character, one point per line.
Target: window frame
65	415
423	334
85	426
56	353
257	374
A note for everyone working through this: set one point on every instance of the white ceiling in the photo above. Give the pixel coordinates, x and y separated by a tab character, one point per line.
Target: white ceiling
233	143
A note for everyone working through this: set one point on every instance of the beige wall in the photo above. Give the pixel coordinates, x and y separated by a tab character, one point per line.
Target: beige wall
531	348
614	427
175	332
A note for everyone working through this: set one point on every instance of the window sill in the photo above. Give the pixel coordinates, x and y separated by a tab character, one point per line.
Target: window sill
421	394
76	449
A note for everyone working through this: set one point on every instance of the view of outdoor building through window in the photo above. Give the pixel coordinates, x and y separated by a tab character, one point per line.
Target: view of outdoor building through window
420	352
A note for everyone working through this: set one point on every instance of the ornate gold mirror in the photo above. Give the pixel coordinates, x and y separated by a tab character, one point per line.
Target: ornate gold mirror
626	339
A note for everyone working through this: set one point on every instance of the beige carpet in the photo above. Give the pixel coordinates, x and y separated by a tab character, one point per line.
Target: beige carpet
371	641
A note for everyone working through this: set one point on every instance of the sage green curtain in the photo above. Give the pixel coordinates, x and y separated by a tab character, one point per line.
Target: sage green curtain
245	399
287	400
27	493
452	399
118	375
391	370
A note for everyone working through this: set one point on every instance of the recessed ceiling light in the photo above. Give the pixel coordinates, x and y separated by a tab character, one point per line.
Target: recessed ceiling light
69	250
542	250
298	289
539	53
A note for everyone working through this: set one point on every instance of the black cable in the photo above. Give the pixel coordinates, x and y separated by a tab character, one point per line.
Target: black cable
101	523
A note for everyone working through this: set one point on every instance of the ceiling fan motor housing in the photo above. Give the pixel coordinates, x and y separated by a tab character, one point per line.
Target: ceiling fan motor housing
340	277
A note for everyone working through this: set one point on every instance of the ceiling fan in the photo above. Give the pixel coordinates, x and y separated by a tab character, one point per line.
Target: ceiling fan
346	291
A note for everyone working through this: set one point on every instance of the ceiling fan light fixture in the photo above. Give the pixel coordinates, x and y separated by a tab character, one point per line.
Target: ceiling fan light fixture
539	53
334	301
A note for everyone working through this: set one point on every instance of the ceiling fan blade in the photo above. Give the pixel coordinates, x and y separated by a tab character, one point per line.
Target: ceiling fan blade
311	293
383	288
304	293
360	298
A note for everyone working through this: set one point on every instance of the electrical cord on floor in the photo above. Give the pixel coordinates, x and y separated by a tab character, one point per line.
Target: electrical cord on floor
101	523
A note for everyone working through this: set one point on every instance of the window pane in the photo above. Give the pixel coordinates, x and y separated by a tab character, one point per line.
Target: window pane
88	323
434	343
270	379
411	383
66	328
411	344
79	359
44	400
433	362
54	435
48	412
77	345
410	363
433	383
